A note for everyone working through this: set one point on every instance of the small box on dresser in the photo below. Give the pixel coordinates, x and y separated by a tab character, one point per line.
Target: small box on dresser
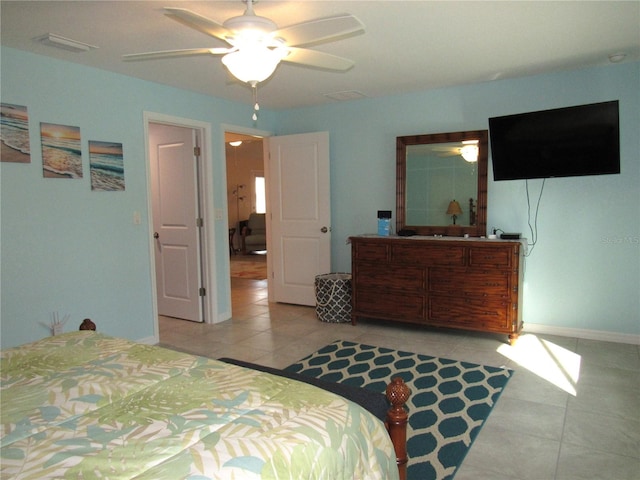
466	283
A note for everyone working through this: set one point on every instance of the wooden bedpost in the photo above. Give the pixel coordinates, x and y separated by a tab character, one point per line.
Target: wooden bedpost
87	324
396	423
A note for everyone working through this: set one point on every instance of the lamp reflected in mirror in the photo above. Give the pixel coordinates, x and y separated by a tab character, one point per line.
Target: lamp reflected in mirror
454	210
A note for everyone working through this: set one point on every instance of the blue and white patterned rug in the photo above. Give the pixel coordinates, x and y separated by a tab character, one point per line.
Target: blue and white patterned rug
450	400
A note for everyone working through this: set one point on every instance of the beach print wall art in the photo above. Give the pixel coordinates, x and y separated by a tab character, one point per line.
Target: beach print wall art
106	163
61	152
14	134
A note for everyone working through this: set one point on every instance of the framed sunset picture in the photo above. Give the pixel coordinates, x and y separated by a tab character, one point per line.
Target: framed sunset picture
61	152
106	163
14	133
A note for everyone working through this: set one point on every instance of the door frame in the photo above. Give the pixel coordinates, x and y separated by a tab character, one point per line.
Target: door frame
207	233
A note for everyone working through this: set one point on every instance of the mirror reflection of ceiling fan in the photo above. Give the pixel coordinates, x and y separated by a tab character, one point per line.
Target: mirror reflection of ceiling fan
257	45
468	150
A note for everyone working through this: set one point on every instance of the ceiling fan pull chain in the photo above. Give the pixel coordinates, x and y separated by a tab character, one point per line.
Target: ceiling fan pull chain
256	107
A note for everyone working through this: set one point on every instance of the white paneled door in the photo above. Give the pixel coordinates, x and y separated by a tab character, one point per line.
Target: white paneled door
299	215
174	188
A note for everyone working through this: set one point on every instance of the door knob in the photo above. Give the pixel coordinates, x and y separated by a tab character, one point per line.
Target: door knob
324	229
156	235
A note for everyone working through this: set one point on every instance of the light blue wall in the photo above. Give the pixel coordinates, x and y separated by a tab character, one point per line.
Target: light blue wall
67	249
584	272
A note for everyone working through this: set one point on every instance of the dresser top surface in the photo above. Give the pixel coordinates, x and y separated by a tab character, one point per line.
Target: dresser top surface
439	238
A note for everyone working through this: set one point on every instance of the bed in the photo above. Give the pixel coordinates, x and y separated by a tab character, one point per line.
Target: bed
86	405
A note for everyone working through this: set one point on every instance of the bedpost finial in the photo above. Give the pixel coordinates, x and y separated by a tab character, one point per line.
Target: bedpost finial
398	392
87	324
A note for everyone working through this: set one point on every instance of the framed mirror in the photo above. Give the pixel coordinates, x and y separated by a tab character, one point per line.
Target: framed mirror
441	183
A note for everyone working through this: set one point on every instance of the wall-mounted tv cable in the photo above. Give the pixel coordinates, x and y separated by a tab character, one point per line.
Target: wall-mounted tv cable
533	228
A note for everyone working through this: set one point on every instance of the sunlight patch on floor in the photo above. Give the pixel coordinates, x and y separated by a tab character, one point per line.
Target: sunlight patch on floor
556	364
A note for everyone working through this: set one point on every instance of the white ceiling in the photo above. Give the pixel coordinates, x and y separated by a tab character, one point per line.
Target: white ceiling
407	45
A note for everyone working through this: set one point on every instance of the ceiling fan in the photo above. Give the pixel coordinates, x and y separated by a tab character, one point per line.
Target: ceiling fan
468	150
257	45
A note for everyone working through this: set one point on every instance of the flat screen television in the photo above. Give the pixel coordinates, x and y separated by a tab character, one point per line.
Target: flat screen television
563	142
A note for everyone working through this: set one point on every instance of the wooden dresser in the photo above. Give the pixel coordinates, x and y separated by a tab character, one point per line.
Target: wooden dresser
473	284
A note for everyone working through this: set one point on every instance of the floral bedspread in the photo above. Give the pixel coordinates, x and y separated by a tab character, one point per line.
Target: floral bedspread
84	405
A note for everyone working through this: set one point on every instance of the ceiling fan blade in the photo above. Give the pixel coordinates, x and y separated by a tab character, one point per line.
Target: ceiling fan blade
313	58
176	53
197	22
452	150
319	30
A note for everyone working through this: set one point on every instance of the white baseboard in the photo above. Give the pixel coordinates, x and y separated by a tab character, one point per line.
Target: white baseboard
582	333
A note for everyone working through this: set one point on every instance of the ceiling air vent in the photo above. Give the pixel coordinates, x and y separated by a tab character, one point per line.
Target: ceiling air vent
346	95
53	40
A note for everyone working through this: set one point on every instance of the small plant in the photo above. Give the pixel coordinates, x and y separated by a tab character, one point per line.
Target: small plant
57	325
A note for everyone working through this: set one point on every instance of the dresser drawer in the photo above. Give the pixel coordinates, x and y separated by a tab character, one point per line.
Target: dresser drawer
469	282
416	254
492	256
472	312
405	307
394	277
370	251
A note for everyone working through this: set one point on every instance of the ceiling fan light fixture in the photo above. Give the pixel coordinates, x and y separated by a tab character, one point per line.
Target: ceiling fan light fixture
469	153
253	64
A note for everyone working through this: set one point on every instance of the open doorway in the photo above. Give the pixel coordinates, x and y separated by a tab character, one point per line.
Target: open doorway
246	200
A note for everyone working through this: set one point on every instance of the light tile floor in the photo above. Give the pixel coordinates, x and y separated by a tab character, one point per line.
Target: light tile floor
570	412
